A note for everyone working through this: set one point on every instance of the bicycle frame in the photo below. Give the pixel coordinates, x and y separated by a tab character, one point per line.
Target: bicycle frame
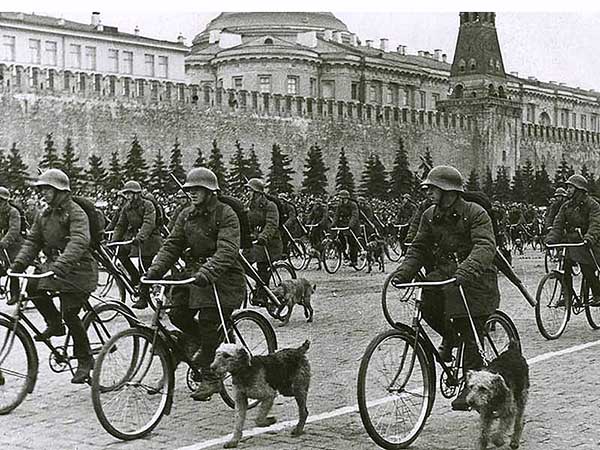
252	274
339	230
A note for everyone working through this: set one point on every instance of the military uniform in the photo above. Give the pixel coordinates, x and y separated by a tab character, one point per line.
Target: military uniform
319	216
10	230
347	215
263	218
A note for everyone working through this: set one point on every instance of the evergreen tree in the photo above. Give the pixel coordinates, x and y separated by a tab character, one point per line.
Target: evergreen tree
135	167
373	183
562	172
17	170
238	171
114	179
473	183
69	164
175	167
518	188
254	170
528	177
488	183
344	179
365	176
542	190
199	162
159	175
96	174
502	185
426	164
280	173
3	168
215	163
50	156
314	180
401	178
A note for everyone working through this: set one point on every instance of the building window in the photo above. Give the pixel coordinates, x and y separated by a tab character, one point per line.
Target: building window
140	88
50	79
436	99
35	56
8	47
472	64
422	100
112	85
264	83
354	90
97	82
574	120
126	87
128	62
163	67
149	64
237	83
564	118
328	88
113	60
389	94
583	122
292	85
594	122
462	65
90	58
531	113
67	82
82	82
405	97
313	87
181	92
75	56
51	53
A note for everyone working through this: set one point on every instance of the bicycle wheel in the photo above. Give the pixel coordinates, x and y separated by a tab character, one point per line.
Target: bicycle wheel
254	332
396	389
397	304
331	256
361	257
592	313
393	249
110	287
18	365
281	271
132	383
498	333
105	321
553	309
298	256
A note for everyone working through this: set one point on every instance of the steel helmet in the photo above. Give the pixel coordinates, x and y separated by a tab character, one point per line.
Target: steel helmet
4	193
256	184
201	177
344	194
578	181
132	186
560	192
55	178
446	178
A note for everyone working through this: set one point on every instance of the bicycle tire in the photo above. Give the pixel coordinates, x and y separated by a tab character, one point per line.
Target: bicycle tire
361	257
423	375
331	255
281	271
499	332
551	319
11	364
110	287
393	249
298	255
139	376
261	341
397	305
103	322
592	314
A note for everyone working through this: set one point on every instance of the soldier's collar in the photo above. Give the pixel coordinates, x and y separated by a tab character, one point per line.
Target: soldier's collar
207	207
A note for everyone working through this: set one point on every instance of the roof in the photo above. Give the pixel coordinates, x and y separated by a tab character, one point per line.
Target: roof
236	21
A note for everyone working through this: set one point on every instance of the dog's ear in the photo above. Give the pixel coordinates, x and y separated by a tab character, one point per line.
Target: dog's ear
245	358
500	390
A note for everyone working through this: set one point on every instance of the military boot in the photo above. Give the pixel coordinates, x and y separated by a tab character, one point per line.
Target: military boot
211	384
52	329
84	366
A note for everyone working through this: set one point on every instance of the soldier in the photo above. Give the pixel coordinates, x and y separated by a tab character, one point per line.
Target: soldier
137	221
347	215
10	239
455	238
578	217
263	218
182	202
318	216
560	196
207	236
62	232
289	216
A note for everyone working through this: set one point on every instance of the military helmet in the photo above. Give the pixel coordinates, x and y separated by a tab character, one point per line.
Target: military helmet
344	194
4	193
256	184
560	192
55	178
578	181
201	177
446	178
132	186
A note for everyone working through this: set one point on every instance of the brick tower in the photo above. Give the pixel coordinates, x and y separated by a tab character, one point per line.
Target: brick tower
478	89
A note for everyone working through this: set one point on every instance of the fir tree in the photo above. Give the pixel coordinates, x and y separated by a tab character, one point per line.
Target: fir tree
17	170
96	174
238	171
3	168
488	183
344	179
314	180
114	179
542	187
426	164
280	172
50	156
253	165
175	167
562	172
528	176
69	164
135	167
215	163
199	162
159	175
518	188
502	185
402	179
473	182
373	182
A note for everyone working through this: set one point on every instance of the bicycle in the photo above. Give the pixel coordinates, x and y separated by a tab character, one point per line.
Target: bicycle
395	247
334	249
554	308
19	360
399	367
134	377
297	254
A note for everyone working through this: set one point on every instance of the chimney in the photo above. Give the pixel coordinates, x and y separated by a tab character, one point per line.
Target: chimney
532	78
420	53
354	40
437	54
327	35
61	21
383	45
444	57
95	18
214	36
136	30
180	39
562	84
369	42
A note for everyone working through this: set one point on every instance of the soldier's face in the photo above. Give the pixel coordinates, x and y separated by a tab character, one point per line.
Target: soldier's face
48	193
571	190
435	194
199	195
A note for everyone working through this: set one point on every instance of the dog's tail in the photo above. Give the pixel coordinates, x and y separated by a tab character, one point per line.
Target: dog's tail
304	347
514	346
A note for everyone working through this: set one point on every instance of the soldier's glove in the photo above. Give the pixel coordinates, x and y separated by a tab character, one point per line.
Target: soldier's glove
152	274
201	280
58	272
587	243
399	278
3	246
136	241
18	267
261	241
460	280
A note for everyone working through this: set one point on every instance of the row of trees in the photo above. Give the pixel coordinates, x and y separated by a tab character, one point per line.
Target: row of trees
527	184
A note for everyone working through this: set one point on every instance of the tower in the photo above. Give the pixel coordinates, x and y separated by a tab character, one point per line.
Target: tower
478	89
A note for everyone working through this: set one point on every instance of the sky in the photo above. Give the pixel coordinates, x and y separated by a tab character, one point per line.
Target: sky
541	39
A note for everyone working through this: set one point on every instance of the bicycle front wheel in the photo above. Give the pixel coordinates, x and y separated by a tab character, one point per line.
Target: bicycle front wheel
592	314
18	365
553	310
331	256
106	320
397	304
499	332
396	389
298	256
132	384
393	249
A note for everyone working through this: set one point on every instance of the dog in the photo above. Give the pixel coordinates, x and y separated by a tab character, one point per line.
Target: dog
262	377
499	392
292	292
375	254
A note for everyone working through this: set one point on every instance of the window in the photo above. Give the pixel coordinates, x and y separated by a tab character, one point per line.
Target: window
422	100
462	65
405	97
564	118
531	113
237	83
264	83
435	98
82	82
75	56
292	85
574	120
389	94
90	58
128	62
97	82
113	60
140	88
354	89
473	64
51	53
126	87
328	89
67	81
163	67
34	51
8	47
149	64
594	122
313	87
583	122
112	85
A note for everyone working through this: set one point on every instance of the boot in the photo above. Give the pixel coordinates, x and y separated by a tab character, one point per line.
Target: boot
13	299
52	329
142	301
460	402
211	384
445	350
82	375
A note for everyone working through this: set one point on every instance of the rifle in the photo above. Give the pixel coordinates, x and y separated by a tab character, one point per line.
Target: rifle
180	186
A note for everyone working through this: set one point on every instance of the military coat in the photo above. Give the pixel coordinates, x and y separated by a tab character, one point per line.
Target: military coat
10	229
263	218
138	220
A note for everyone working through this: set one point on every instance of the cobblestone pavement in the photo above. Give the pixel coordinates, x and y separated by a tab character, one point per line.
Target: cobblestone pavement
562	412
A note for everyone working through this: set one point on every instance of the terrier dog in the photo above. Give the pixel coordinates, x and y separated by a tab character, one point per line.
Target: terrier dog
262	377
499	391
375	254
292	292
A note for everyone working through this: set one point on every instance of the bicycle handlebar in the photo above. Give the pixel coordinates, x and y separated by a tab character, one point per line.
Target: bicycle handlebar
118	243
144	280
29	275
340	228
566	244
426	283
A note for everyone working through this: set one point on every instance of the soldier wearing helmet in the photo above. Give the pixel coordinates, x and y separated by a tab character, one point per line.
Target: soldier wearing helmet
62	232
263	217
138	220
578	219
559	197
10	239
346	214
455	238
319	224
290	226
206	236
